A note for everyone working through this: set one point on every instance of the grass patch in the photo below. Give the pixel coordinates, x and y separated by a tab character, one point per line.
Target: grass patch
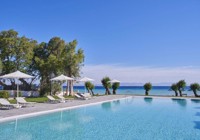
69	97
37	99
56	97
13	101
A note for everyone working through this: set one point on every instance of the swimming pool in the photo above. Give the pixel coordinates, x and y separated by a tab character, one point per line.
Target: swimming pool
131	118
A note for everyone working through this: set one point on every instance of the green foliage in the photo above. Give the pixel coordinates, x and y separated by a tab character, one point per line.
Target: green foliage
54	58
4	94
44	60
147	87
195	87
44	89
115	86
1	66
181	86
16	54
106	84
55	87
174	87
89	86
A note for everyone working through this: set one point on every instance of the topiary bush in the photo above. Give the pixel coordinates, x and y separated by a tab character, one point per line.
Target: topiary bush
4	94
147	87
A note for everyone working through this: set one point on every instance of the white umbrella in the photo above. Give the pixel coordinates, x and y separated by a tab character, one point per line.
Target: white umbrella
62	78
114	81
17	75
85	79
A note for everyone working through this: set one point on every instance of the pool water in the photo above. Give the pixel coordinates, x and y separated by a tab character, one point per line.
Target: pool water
132	118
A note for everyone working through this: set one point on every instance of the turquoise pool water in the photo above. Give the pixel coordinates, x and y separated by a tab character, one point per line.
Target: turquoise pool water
129	119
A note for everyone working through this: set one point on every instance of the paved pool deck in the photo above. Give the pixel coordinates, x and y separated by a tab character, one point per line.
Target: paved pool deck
43	108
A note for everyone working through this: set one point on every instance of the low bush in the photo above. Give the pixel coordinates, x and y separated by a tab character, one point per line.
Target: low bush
4	94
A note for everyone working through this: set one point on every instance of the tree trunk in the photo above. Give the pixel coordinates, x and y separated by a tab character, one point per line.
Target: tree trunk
180	92
146	93
106	93
109	92
67	88
92	92
25	86
195	93
114	91
176	93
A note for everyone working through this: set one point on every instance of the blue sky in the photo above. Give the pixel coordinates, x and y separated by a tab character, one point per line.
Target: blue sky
126	34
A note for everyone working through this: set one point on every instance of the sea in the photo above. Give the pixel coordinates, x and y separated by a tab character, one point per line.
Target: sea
135	90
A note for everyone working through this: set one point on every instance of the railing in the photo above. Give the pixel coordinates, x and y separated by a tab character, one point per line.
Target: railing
12	93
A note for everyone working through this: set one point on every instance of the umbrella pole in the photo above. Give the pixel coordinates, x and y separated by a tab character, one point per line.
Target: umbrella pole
68	88
17	89
72	88
51	88
62	89
85	88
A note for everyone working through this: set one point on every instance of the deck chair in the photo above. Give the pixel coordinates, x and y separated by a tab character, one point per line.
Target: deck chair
62	98
53	100
79	96
7	105
24	103
87	95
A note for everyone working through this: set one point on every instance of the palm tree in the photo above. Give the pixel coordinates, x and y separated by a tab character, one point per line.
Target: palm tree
106	84
147	87
181	85
195	87
115	86
89	86
174	88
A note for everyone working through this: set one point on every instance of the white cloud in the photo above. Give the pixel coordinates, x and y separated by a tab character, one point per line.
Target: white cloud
133	74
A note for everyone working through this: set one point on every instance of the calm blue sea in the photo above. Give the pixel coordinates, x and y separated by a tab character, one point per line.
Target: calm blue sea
137	90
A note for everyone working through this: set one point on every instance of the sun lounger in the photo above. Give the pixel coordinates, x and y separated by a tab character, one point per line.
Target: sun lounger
62	98
184	94
7	105
87	95
53	100
24	103
80	96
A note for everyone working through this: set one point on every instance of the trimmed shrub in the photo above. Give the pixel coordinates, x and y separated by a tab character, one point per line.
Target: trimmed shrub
4	94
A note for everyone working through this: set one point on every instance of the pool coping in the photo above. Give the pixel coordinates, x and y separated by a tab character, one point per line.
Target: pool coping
168	97
16	117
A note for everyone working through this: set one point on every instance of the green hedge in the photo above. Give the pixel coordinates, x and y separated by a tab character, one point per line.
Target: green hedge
4	94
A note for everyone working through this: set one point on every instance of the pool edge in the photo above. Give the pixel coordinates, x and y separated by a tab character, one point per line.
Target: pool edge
6	119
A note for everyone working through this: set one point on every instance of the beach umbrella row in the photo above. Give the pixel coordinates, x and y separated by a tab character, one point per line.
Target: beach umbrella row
17	75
